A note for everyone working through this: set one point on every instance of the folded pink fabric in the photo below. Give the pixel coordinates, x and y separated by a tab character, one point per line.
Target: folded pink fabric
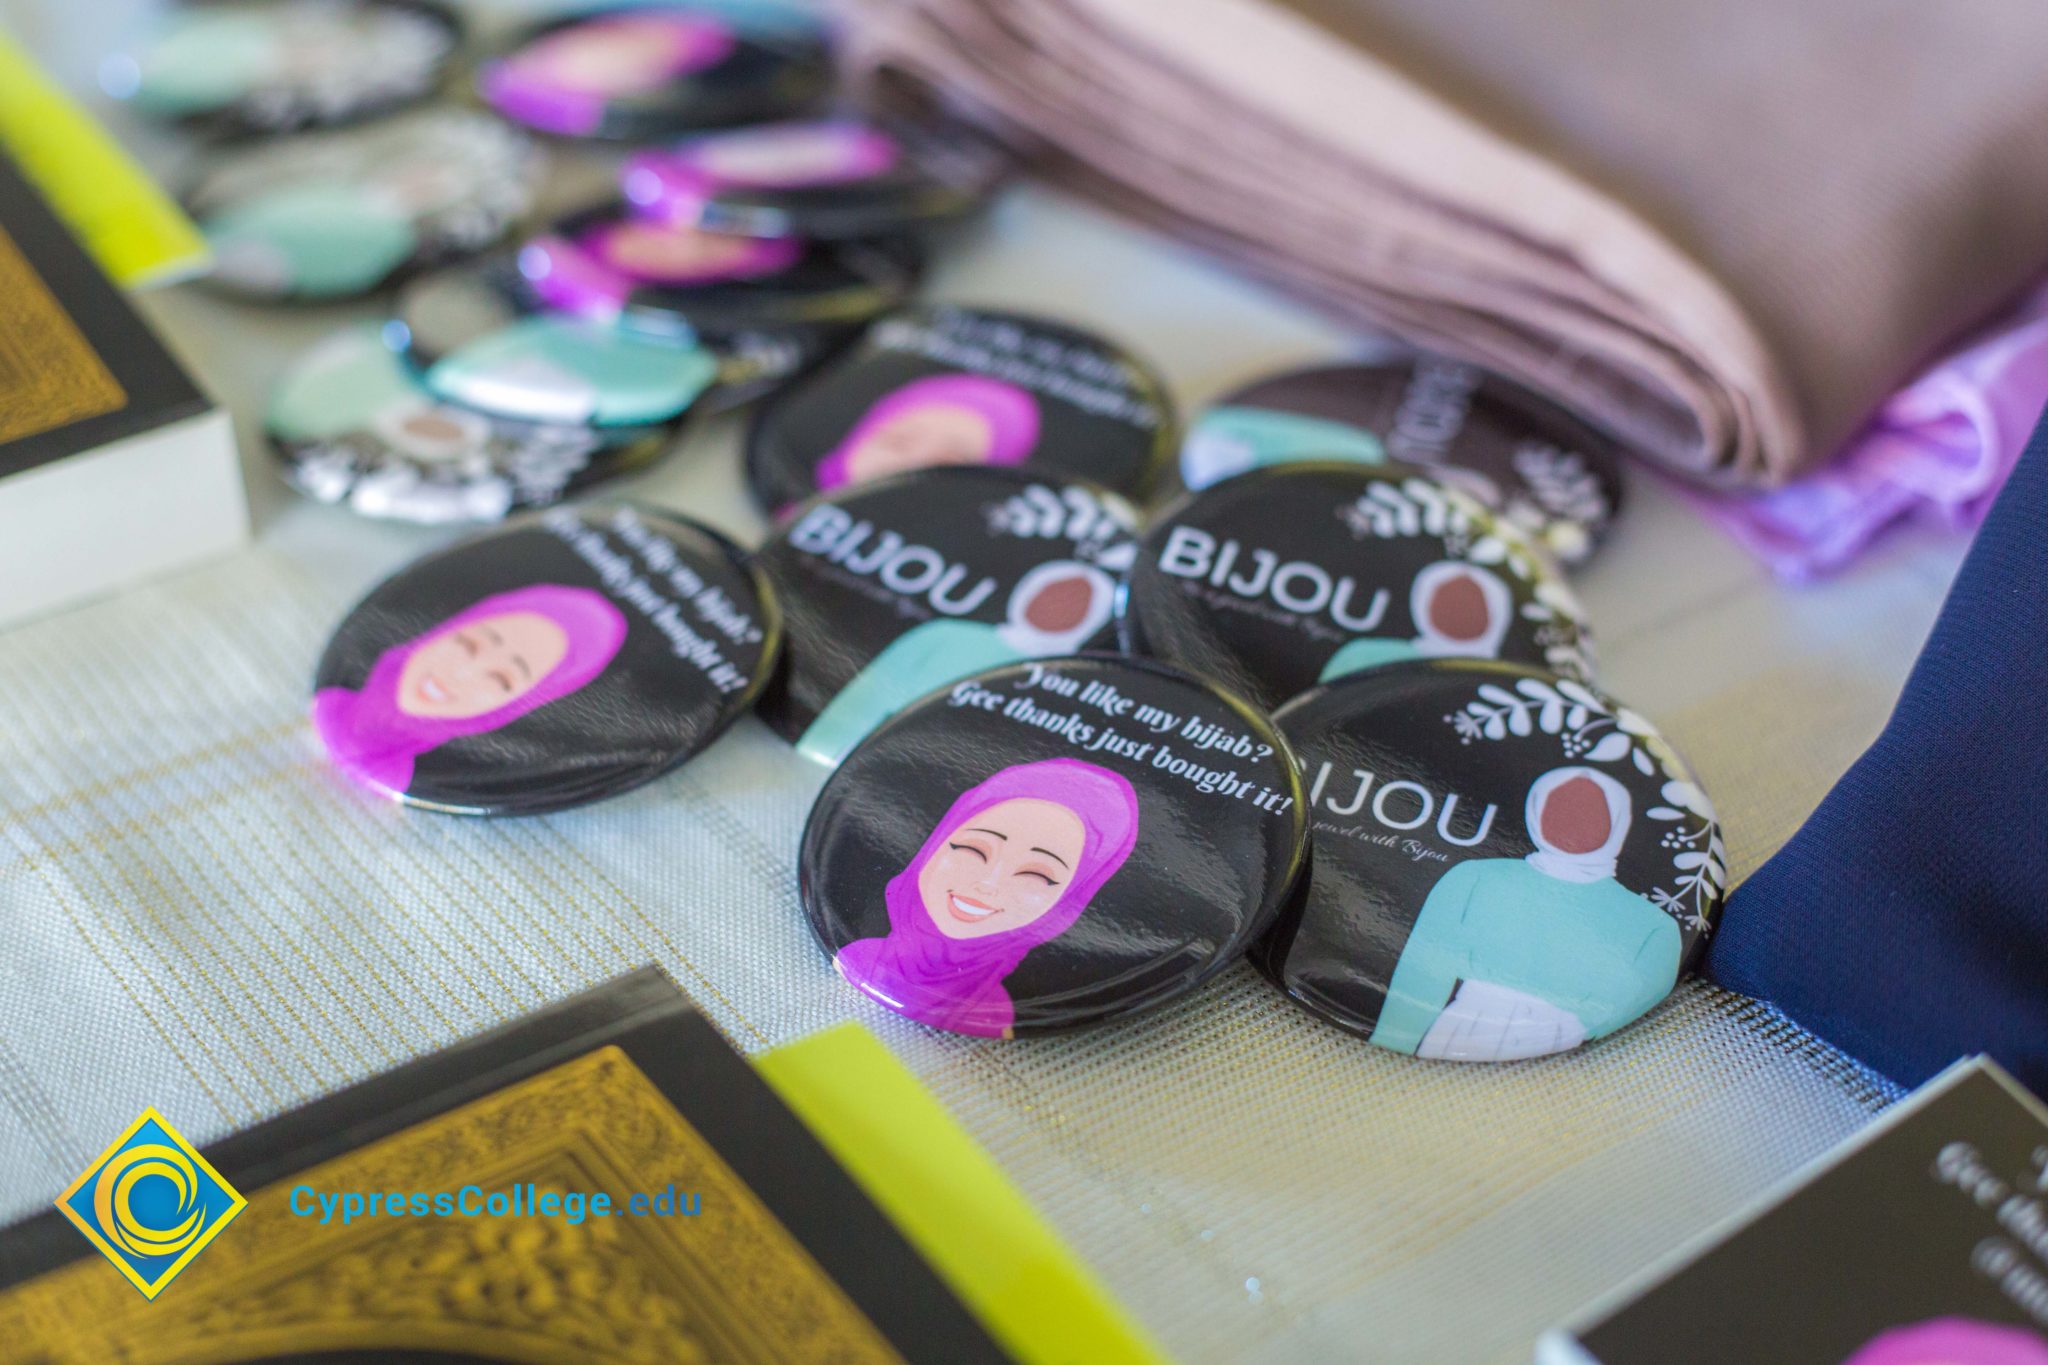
1725	232
1938	451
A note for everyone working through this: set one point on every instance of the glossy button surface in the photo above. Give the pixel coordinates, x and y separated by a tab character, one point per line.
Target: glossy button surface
571	655
350	423
1507	862
834	178
947	385
236	67
895	588
673	277
646	71
478	339
1052	844
1285	577
332	215
1518	452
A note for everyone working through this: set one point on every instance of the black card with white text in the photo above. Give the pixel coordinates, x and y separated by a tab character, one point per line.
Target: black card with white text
1923	1241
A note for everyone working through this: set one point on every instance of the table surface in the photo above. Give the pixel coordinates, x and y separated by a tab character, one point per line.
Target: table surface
200	916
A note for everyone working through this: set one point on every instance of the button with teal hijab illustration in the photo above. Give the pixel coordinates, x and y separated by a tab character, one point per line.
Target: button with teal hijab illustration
1514	450
648	71
1507	862
835	178
1279	579
269	66
336	214
947	385
480	340
350	423
568	656
1053	844
898	587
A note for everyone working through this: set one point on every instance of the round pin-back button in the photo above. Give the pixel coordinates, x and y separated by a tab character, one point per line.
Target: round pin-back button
959	386
671	277
567	656
350	423
898	587
831	178
1518	452
335	214
479	339
645	72
1282	578
270	66
1052	844
1507	862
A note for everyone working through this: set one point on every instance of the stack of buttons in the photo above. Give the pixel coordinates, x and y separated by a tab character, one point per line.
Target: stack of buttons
1334	711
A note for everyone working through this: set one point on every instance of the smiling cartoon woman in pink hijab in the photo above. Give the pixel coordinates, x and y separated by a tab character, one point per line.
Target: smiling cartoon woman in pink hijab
942	420
1011	866
478	671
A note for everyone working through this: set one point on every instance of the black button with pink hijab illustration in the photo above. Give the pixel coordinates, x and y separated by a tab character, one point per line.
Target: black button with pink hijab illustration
834	178
947	385
568	656
1507	864
1279	579
1052	844
673	277
646	72
1525	457
899	587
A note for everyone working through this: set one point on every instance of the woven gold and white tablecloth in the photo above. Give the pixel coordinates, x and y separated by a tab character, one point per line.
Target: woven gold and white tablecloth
196	914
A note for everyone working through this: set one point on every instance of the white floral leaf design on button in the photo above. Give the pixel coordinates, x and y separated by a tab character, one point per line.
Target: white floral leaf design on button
1591	730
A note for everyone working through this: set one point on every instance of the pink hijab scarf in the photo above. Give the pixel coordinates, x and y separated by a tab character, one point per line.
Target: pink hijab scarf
541	85
957	984
367	735
1954	1341
1011	414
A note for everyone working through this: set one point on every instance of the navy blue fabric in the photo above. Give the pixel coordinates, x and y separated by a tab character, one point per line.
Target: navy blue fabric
1907	922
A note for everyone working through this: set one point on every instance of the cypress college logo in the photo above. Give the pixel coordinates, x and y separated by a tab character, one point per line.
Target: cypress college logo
150	1203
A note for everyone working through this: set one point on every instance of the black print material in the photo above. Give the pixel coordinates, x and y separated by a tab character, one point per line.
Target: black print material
1507	862
572	655
1053	844
949	385
1279	579
1962	1163
896	588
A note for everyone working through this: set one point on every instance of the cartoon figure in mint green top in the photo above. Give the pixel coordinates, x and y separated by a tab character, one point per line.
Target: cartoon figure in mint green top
318	239
1519	957
1460	611
1053	610
1231	440
549	367
331	236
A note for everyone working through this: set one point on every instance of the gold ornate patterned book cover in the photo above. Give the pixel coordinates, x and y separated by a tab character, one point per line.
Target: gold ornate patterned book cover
79	368
767	1251
50	375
